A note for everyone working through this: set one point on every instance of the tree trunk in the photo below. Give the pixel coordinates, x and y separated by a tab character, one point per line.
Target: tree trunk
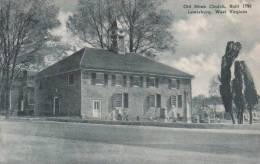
232	117
131	39
250	116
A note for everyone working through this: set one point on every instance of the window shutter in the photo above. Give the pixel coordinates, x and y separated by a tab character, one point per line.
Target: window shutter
125	100
93	78
131	81
169	83
179	101
113	80
158	100
125	81
106	78
178	84
141	81
156	82
147	82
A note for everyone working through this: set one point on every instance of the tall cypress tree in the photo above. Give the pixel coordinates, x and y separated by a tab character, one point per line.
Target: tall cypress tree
232	51
250	91
237	91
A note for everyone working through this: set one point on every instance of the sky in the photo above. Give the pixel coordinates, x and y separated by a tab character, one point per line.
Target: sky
201	39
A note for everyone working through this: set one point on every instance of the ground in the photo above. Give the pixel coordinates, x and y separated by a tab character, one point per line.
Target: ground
49	142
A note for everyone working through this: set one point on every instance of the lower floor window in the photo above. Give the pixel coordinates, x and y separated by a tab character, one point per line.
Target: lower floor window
120	100
173	100
154	100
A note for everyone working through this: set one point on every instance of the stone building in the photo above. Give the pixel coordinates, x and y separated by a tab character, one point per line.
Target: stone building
22	94
100	84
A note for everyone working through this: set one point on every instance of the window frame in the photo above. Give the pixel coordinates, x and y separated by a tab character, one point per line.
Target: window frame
170	83
173	97
71	79
97	82
134	79
124	100
152	80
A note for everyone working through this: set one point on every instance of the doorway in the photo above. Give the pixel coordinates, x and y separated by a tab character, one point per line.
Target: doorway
56	106
97	109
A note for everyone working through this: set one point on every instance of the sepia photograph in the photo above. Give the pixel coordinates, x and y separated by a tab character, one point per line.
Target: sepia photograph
129	82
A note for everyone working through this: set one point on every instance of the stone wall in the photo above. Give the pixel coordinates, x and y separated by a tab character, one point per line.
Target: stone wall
137	96
57	86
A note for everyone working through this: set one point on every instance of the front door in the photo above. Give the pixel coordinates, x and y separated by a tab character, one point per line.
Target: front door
97	109
56	105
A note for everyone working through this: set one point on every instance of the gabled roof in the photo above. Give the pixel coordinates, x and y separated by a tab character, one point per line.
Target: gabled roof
99	59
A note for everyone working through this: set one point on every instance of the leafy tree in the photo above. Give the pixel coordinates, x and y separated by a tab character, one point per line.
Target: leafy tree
144	22
214	87
24	29
232	51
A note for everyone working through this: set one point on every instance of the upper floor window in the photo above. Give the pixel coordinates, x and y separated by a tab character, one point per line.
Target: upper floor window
136	81
99	78
70	79
173	83
40	85
84	75
152	82
117	80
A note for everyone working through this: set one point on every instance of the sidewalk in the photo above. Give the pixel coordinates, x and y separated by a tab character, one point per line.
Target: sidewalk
141	123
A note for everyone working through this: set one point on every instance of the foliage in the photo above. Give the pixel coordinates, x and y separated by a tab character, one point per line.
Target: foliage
145	23
232	51
250	91
237	91
24	29
214	87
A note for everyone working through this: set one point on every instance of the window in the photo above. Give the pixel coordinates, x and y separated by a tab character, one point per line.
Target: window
117	80
152	82
151	101
117	100
136	81
40	85
154	100
120	100
173	101
84	75
70	79
30	97
99	79
172	83
179	101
